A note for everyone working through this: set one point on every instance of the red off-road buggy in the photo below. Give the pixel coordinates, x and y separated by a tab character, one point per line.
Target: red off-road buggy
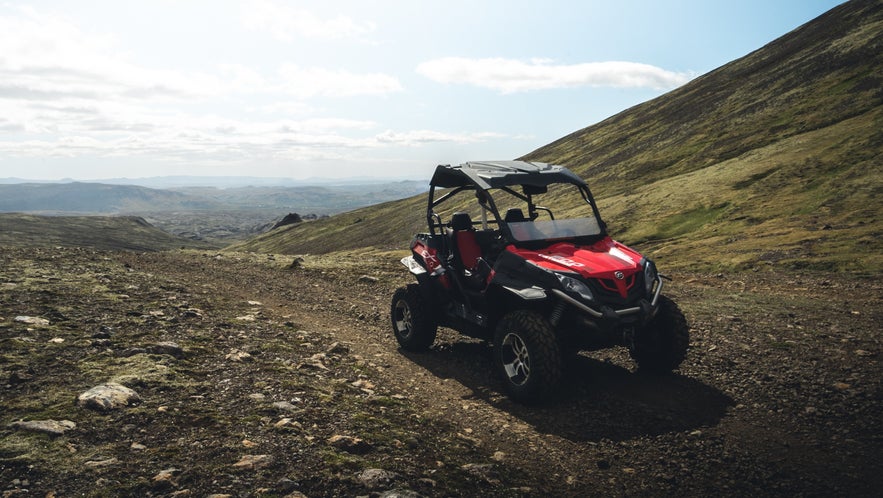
540	283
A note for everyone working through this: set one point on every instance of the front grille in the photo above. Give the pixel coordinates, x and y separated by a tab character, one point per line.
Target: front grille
610	285
607	293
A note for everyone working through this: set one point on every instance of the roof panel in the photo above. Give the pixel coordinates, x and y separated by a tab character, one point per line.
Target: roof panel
495	174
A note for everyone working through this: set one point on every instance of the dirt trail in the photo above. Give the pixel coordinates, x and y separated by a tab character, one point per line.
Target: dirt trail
780	394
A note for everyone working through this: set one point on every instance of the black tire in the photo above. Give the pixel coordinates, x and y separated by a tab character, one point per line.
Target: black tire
662	344
412	323
527	356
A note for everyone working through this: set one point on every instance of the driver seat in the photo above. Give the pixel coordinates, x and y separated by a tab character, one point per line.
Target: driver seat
466	251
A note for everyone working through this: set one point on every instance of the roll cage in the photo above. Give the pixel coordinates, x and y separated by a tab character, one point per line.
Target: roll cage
533	178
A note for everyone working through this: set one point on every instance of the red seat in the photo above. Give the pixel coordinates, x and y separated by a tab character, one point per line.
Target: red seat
467	248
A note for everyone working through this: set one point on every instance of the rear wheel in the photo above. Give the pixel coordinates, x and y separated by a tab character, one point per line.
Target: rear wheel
527	356
662	344
412	322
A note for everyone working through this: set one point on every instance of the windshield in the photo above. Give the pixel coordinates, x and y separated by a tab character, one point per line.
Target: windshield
525	231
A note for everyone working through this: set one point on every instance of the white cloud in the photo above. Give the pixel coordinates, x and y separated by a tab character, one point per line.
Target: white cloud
418	137
311	82
510	76
286	22
69	93
47	58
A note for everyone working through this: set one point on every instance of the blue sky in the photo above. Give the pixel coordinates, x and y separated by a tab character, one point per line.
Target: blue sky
299	89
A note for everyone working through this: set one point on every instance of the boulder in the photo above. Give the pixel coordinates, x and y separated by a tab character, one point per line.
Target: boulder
106	397
51	427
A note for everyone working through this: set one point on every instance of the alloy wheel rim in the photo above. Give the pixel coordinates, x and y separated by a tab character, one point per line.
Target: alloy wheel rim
516	359
403	318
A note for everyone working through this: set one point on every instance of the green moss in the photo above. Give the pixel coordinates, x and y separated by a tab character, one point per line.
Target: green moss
679	224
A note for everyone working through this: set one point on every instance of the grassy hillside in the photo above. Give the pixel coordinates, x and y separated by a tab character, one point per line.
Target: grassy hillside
128	233
820	74
772	159
385	226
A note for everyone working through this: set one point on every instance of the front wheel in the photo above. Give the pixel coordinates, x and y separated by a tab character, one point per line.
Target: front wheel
527	356
662	344
412	323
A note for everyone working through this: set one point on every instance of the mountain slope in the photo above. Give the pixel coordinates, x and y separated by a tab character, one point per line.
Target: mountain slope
820	74
770	159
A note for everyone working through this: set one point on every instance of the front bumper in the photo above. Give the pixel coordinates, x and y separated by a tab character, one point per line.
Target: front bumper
646	309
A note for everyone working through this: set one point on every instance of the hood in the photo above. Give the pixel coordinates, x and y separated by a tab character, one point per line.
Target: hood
602	260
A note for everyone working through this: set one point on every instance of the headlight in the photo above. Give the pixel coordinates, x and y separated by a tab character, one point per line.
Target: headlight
650	276
574	286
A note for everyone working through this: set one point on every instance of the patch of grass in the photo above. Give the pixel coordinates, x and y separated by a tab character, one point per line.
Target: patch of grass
751	180
688	221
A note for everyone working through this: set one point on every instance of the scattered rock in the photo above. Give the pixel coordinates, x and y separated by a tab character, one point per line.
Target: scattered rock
368	279
284	406
32	320
191	313
484	471
237	355
376	478
364	384
167	348
166	479
254	462
99	464
316	361
286	422
338	348
51	427
107	397
350	444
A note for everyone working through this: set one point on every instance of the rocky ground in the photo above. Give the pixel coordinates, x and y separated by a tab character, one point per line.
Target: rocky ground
239	375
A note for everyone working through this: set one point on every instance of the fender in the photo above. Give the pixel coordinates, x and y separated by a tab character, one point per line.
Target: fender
529	294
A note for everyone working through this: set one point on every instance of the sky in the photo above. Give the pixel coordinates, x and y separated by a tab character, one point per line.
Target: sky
338	89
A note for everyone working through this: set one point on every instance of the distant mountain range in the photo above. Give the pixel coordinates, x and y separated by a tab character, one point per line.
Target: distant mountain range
102	198
218	181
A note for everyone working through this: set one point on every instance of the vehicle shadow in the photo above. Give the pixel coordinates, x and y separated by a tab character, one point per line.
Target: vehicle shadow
598	400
